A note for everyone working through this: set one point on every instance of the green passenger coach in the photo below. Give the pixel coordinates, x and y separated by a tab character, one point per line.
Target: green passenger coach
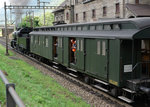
115	53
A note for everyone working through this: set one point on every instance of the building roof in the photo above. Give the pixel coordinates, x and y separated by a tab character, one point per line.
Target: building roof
139	9
63	4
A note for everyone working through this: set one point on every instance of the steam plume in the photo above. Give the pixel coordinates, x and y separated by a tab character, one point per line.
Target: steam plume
18	11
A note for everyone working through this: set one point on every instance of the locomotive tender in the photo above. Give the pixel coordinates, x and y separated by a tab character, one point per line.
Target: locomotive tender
113	53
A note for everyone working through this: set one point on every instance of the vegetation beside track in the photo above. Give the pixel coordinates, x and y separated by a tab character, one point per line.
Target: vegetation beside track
34	88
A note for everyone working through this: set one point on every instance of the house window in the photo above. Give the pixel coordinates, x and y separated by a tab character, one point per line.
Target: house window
117	8
76	1
136	1
76	16
98	48
93	13
56	18
62	18
84	15
104	11
67	16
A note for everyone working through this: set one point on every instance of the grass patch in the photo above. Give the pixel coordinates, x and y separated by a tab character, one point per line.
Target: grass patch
34	88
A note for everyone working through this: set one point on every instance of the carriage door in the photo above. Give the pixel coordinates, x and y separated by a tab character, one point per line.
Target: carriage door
60	49
96	57
80	54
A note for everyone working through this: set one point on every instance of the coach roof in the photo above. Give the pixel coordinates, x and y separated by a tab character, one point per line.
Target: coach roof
139	23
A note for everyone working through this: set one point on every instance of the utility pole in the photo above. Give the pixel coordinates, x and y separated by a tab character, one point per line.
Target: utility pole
31	18
22	7
38	3
10	16
124	9
6	35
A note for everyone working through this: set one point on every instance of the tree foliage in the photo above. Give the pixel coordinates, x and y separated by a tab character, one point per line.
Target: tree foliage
29	22
49	18
38	20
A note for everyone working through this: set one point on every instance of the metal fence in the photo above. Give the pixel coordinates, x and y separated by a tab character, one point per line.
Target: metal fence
12	98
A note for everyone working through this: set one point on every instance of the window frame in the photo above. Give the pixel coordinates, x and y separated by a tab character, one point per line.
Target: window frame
93	13
46	41
104	11
117	8
98	47
103	48
84	15
67	16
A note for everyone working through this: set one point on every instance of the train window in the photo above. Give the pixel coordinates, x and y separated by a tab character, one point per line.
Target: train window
79	28
74	28
59	42
98	48
107	27
78	45
116	27
65	28
128	26
81	45
103	48
85	28
59	29
31	39
99	27
38	40
46	41
92	27
69	28
62	29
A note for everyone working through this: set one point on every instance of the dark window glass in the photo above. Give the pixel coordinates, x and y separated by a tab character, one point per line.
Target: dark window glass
76	16
93	13
67	16
117	8
104	11
76	1
136	1
84	15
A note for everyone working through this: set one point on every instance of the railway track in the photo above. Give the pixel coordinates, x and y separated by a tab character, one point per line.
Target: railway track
55	69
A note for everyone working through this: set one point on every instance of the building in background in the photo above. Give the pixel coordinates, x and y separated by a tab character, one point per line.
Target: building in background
78	11
64	15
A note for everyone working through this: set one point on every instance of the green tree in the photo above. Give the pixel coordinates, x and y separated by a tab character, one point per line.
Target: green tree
49	18
29	22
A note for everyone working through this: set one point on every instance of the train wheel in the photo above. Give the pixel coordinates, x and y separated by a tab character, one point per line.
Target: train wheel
114	92
87	80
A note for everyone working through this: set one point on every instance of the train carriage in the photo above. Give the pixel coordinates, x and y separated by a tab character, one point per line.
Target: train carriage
115	53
